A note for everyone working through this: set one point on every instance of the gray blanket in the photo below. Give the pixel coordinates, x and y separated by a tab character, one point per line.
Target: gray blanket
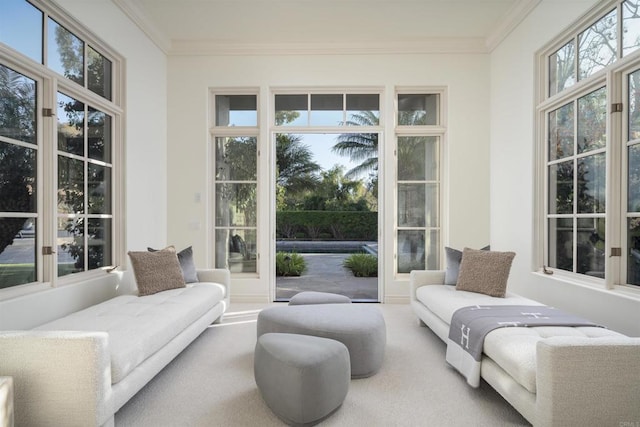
469	326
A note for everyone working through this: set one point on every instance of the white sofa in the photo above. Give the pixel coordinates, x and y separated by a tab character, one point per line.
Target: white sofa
80	369
554	376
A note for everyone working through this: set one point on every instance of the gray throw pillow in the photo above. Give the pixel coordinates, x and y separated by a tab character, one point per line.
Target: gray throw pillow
156	271
187	264
485	272
453	259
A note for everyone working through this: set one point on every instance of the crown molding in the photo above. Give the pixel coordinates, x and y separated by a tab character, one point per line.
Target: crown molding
139	17
516	14
439	45
422	46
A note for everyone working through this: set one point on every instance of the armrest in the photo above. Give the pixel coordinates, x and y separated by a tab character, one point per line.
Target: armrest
217	275
59	377
587	381
419	278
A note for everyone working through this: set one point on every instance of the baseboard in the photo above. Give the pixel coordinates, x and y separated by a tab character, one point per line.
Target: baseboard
396	299
250	298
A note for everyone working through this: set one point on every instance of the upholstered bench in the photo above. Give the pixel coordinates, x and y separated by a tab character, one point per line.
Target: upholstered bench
302	379
312	297
361	328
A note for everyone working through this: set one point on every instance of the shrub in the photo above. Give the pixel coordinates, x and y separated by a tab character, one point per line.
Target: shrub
289	264
362	265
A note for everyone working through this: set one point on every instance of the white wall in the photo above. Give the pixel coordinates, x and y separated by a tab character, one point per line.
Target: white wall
465	76
512	164
146	159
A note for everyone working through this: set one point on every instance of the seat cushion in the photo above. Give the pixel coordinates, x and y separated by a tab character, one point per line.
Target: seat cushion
444	300
514	349
140	326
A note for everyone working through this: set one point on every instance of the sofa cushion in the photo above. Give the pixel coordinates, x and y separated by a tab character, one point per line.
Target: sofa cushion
187	263
156	271
444	300
454	257
514	349
485	272
140	326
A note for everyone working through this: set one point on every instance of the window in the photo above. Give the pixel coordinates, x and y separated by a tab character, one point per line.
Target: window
419	134
327	109
589	149
235	156
58	163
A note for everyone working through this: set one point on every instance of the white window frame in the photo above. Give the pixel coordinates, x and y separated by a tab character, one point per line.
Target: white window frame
233	131
439	130
49	83
613	78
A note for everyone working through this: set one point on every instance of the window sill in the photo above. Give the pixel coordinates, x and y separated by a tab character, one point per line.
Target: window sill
596	285
33	288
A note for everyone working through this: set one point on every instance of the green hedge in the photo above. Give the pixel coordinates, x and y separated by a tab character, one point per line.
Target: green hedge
337	225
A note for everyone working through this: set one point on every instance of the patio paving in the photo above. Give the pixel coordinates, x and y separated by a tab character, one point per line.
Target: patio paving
325	273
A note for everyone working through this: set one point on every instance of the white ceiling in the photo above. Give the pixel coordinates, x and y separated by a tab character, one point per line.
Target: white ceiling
228	26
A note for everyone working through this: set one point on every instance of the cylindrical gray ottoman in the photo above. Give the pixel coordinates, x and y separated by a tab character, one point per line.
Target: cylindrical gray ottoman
303	379
360	327
312	297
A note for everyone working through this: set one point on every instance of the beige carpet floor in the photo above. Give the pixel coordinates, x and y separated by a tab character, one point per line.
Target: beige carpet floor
211	384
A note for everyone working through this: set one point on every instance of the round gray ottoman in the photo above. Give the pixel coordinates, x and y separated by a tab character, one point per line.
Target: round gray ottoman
312	297
303	379
361	328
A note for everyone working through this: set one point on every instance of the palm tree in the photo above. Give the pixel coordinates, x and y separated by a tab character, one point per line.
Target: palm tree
360	147
297	172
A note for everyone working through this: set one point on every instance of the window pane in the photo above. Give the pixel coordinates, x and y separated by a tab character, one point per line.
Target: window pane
592	121
17	251
363	110
70	185
562	71
21	28
411	205
417	205
17	180
633	179
70	245
418	110
18	106
99	243
99	188
291	110
591	239
561	243
236	250
70	125
99	140
236	110
633	243
236	205
592	184
418	158
326	110
634	105
236	159
597	45
561	188
98	73
411	250
630	26
561	132
65	53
